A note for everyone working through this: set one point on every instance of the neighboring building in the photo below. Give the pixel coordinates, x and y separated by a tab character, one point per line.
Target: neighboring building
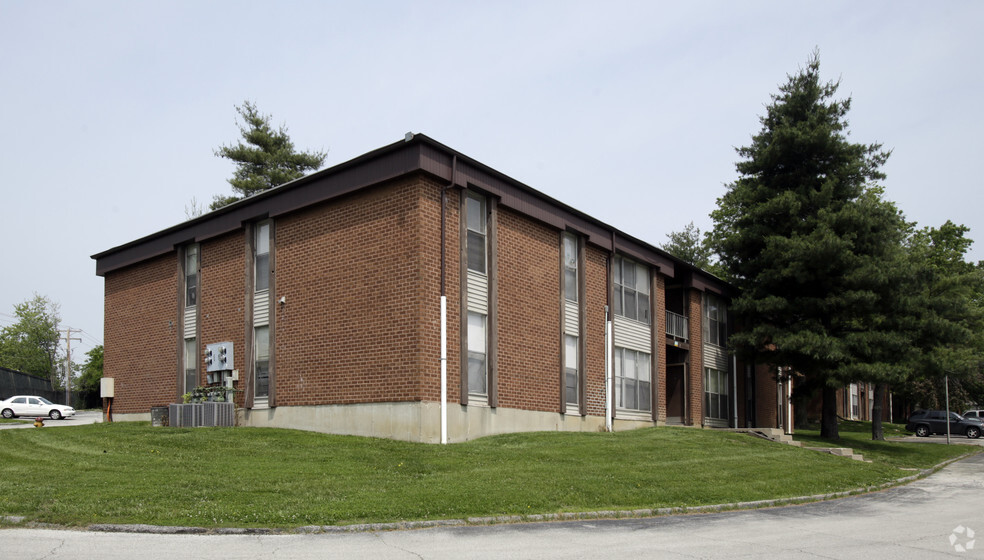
329	288
855	401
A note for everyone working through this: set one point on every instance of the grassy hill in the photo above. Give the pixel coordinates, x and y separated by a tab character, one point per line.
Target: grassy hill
249	477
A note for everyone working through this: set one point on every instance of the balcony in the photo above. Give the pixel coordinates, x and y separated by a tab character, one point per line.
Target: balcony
677	326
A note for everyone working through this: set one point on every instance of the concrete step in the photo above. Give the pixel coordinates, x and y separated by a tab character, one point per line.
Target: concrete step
778	436
839	451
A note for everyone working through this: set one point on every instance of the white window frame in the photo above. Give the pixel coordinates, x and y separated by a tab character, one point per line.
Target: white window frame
191	269
570	267
640	375
571	371
261	361
639	290
715	321
716	394
478	356
261	257
855	401
190	363
477	231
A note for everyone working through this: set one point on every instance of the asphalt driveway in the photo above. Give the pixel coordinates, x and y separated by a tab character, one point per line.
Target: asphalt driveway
81	417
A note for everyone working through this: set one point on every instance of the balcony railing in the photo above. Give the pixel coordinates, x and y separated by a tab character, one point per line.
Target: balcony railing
677	326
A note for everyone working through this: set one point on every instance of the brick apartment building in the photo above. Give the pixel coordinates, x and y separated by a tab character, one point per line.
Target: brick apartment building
330	290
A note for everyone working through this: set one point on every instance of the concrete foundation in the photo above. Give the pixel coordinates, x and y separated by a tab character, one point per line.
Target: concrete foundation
421	422
415	421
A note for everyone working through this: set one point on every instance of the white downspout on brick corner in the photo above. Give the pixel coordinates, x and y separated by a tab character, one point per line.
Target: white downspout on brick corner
734	393
444	369
608	371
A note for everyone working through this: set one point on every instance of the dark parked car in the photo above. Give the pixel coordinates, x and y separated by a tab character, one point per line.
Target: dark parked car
926	422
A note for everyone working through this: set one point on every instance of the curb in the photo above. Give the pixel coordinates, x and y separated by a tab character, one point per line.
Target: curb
483	521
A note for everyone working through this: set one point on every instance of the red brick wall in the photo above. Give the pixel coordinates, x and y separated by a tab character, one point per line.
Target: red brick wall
222	300
529	313
766	405
696	381
141	334
596	294
427	290
350	272
660	324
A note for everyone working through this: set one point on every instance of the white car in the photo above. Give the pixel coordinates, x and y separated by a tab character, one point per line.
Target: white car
30	405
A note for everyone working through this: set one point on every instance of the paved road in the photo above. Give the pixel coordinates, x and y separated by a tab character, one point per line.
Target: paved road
914	521
81	417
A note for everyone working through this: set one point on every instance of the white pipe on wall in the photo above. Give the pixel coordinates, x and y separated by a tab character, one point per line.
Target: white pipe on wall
444	369
734	392
608	372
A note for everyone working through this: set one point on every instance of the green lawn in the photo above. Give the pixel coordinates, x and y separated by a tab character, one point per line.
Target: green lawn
248	477
857	436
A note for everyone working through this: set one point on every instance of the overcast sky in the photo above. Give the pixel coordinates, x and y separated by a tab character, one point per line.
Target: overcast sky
629	111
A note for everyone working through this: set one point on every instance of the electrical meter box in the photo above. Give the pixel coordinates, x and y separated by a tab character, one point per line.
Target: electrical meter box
106	386
218	357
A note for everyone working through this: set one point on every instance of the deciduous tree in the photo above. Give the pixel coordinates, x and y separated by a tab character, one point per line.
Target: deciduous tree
30	345
92	370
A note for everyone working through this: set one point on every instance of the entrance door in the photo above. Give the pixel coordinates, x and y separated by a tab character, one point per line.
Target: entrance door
676	393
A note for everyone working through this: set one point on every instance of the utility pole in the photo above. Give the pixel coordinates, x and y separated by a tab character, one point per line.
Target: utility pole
68	362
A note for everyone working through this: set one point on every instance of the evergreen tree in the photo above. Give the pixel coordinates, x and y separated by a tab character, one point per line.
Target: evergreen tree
807	237
689	246
266	159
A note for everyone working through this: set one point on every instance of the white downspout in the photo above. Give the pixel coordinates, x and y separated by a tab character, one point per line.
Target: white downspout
444	369
734	392
608	371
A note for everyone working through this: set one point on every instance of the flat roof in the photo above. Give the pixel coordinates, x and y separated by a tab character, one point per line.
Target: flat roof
416	153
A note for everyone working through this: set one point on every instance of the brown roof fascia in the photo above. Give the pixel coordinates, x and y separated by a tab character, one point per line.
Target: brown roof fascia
388	162
414	154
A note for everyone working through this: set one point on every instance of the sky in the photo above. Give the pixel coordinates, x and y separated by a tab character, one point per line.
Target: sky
628	111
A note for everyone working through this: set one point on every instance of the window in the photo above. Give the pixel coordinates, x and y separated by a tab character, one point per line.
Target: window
570	267
715	394
716	325
476	222
190	364
262	257
191	276
855	401
477	363
570	369
261	362
632	379
631	290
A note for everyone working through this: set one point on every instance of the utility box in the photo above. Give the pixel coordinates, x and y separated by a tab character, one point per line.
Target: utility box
159	416
218	357
106	386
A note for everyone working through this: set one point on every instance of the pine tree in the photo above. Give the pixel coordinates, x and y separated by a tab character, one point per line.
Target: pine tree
806	235
266	159
688	245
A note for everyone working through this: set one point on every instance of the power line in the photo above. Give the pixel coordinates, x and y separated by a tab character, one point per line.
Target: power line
91	338
68	361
